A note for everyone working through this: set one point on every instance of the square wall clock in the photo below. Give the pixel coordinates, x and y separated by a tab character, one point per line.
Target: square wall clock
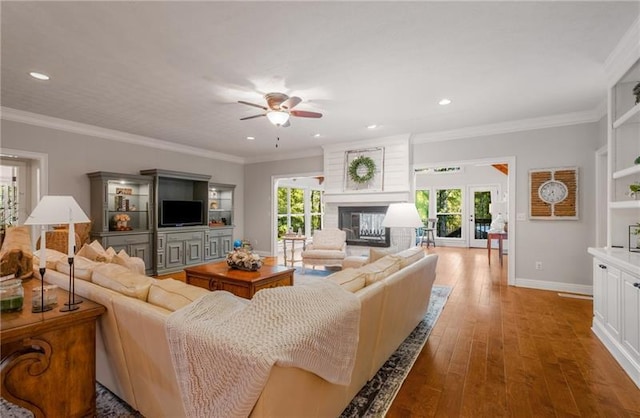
553	193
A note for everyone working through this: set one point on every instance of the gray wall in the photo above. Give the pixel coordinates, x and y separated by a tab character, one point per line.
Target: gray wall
259	195
72	155
560	245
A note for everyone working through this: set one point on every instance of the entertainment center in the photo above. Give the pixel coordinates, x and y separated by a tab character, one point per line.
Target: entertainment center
170	219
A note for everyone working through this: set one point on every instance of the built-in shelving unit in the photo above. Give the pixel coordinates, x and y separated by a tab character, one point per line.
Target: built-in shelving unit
178	246
122	213
616	269
624	148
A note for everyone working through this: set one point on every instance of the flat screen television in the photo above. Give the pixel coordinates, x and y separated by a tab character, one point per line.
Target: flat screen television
181	213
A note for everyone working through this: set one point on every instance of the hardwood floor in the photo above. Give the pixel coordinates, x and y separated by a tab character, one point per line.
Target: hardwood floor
498	351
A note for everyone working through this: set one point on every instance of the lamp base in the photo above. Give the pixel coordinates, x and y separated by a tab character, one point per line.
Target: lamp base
69	308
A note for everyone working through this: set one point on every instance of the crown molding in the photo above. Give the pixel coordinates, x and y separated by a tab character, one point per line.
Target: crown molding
14	115
624	55
566	119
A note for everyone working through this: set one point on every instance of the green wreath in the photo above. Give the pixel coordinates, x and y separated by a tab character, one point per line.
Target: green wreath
368	163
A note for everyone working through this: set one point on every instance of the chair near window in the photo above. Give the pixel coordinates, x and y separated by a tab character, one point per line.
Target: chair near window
429	233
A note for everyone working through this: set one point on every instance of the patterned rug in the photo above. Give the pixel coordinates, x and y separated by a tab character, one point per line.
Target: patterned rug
373	400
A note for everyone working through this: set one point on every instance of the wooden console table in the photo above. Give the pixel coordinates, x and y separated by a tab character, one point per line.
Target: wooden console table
500	236
218	276
49	359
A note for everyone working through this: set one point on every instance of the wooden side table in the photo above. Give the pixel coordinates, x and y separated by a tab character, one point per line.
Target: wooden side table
500	236
49	358
293	240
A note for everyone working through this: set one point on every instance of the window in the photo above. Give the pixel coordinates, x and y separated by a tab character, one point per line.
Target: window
316	210
449	213
9	196
299	208
422	204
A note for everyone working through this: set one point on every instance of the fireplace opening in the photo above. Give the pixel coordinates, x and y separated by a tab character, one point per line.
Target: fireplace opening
363	225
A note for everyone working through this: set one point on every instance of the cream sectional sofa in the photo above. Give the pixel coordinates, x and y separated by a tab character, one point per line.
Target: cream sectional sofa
134	361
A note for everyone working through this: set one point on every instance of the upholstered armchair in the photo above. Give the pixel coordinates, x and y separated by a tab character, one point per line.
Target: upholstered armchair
329	248
16	256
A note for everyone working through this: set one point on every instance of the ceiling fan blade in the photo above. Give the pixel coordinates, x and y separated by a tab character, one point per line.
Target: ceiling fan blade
251	117
253	104
290	103
305	114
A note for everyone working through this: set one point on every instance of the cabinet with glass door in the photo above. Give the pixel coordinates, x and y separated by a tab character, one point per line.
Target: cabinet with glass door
121	213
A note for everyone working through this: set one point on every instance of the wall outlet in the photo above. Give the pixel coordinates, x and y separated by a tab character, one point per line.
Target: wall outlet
538	265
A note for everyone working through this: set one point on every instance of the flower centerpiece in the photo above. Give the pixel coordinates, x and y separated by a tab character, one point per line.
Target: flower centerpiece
243	259
121	221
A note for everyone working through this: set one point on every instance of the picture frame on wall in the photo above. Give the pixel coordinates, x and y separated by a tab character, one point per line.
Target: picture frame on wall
364	169
553	193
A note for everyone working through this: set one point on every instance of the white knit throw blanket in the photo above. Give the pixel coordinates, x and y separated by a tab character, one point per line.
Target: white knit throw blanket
224	347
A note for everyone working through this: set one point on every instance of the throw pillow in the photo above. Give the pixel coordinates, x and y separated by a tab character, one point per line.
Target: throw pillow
350	279
110	252
83	267
122	280
132	263
173	294
93	252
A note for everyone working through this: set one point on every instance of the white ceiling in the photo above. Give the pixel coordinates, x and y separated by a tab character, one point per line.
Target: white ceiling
174	71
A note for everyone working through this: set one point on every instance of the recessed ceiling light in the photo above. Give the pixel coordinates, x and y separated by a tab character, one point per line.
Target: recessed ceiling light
39	76
251	138
444	102
316	135
374	126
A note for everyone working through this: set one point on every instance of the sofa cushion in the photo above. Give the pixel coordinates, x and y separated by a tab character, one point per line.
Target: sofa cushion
350	279
135	264
122	280
53	256
376	254
173	294
380	269
409	256
83	267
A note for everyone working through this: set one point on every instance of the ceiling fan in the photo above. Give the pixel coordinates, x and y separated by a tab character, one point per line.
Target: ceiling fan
279	109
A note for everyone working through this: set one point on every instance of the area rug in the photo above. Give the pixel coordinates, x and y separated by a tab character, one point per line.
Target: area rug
373	400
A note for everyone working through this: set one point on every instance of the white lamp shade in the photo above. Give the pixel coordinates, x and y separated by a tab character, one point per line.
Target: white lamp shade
402	215
54	210
278	117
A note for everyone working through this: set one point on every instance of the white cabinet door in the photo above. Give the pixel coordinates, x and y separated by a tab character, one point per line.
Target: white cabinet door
631	314
599	290
612	316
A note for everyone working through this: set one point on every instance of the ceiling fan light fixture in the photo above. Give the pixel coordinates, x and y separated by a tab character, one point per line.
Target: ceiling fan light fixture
278	117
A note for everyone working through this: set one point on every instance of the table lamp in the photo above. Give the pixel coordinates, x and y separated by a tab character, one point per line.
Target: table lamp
404	216
55	210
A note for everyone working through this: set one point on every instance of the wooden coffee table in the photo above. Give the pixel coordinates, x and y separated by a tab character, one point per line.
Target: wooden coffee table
218	276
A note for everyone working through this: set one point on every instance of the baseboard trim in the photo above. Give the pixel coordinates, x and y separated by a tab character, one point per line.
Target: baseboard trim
581	289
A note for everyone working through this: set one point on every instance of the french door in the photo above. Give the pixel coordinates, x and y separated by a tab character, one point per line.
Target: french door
481	203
